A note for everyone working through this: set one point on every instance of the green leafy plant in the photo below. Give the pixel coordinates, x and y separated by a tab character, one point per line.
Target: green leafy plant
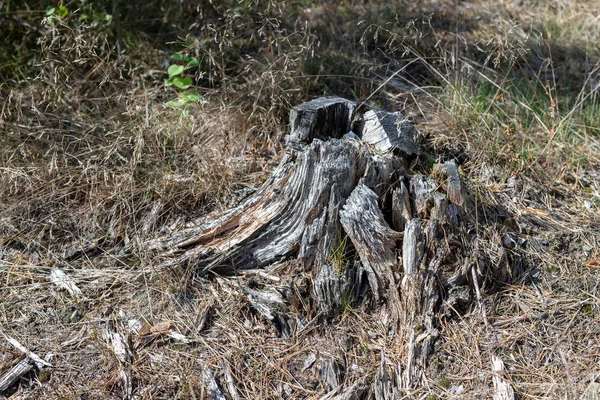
179	79
54	13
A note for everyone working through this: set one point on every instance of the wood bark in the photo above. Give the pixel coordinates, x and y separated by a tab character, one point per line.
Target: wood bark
344	205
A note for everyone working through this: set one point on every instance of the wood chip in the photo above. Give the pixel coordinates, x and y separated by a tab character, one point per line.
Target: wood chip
503	389
15	373
63	281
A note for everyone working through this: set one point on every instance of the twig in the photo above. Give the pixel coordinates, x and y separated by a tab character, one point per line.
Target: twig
479	300
36	359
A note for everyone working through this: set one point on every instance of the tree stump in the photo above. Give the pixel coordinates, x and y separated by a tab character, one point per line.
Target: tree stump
346	206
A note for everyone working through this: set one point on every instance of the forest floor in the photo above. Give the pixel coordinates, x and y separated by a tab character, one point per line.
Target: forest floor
99	155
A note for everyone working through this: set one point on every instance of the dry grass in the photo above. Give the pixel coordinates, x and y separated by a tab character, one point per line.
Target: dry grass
90	155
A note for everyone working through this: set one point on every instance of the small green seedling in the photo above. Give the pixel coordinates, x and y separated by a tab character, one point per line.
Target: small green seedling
54	13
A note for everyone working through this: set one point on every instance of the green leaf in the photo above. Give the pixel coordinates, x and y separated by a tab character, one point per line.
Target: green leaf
182	83
175	70
175	103
192	62
108	17
50	10
190	97
169	82
83	17
62	11
177	57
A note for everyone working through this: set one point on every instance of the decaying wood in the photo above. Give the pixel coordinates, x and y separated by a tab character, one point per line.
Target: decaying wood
413	258
269	225
389	132
231	388
211	385
344	207
322	245
355	391
374	241
62	280
39	363
270	303
401	209
15	373
422	189
502	389
455	189
123	353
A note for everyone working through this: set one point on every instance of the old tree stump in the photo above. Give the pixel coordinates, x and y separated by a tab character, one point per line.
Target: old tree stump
346	208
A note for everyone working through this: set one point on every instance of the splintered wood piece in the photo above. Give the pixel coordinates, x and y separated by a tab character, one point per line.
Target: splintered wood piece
211	385
151	218
455	190
420	295
123	354
388	132
382	382
401	209
230	382
374	241
421	191
379	174
269	303
330	372
502	389
326	283
63	281
350	393
15	373
412	250
440	209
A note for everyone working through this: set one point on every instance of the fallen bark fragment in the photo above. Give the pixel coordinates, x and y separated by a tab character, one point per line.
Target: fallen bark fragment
211	385
15	373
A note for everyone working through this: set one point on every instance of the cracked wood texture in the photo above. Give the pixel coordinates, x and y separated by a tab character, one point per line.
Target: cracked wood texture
344	206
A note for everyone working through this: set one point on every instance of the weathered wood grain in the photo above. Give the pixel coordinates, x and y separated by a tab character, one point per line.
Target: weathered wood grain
389	132
374	241
15	373
401	208
323	118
